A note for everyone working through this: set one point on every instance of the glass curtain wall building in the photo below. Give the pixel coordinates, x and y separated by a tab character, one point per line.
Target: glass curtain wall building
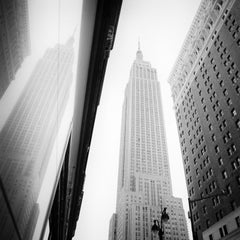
28	136
144	181
48	111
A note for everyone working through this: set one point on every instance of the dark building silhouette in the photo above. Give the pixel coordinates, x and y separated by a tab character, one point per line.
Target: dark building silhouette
14	39
97	35
27	138
205	84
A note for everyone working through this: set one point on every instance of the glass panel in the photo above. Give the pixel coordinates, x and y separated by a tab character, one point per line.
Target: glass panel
38	56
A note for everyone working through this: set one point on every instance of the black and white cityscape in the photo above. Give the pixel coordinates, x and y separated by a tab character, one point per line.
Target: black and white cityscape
120	120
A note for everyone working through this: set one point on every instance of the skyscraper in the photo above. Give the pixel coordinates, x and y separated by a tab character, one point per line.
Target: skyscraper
14	39
205	84
27	139
144	182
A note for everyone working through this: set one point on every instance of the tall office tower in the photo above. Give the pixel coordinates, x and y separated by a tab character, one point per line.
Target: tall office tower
144	182
27	139
205	85
14	39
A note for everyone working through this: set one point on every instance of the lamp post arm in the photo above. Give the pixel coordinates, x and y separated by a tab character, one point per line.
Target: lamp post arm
203	198
197	200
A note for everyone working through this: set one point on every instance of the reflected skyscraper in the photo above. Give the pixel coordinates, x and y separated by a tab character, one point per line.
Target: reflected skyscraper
144	181
27	139
14	39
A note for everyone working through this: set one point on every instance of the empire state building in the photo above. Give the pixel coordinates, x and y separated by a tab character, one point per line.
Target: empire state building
144	181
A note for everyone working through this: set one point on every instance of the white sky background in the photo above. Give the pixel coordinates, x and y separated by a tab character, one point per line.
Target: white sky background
162	26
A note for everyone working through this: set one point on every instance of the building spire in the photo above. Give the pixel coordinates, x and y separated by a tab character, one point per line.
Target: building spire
139	55
70	41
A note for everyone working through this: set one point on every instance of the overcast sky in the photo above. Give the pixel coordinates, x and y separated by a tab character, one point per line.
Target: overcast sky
162	27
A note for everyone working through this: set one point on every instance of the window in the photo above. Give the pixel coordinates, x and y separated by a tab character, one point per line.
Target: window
234	165
220	161
234	80
237	219
229	189
204	209
229	102
225	230
238	180
221	232
229	151
208	223
221	127
224	174
233	205
234	35
199	183
234	112
238	89
213	137
218	75
238	123
238	161
233	146
221	83
224	123
225	92
233	66
229	135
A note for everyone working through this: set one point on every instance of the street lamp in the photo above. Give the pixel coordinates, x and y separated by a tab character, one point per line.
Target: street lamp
190	201
157	228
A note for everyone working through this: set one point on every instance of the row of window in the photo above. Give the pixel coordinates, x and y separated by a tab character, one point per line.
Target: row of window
223	231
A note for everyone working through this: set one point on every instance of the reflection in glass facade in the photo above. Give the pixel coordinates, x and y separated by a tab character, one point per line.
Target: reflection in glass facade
14	39
27	137
36	120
